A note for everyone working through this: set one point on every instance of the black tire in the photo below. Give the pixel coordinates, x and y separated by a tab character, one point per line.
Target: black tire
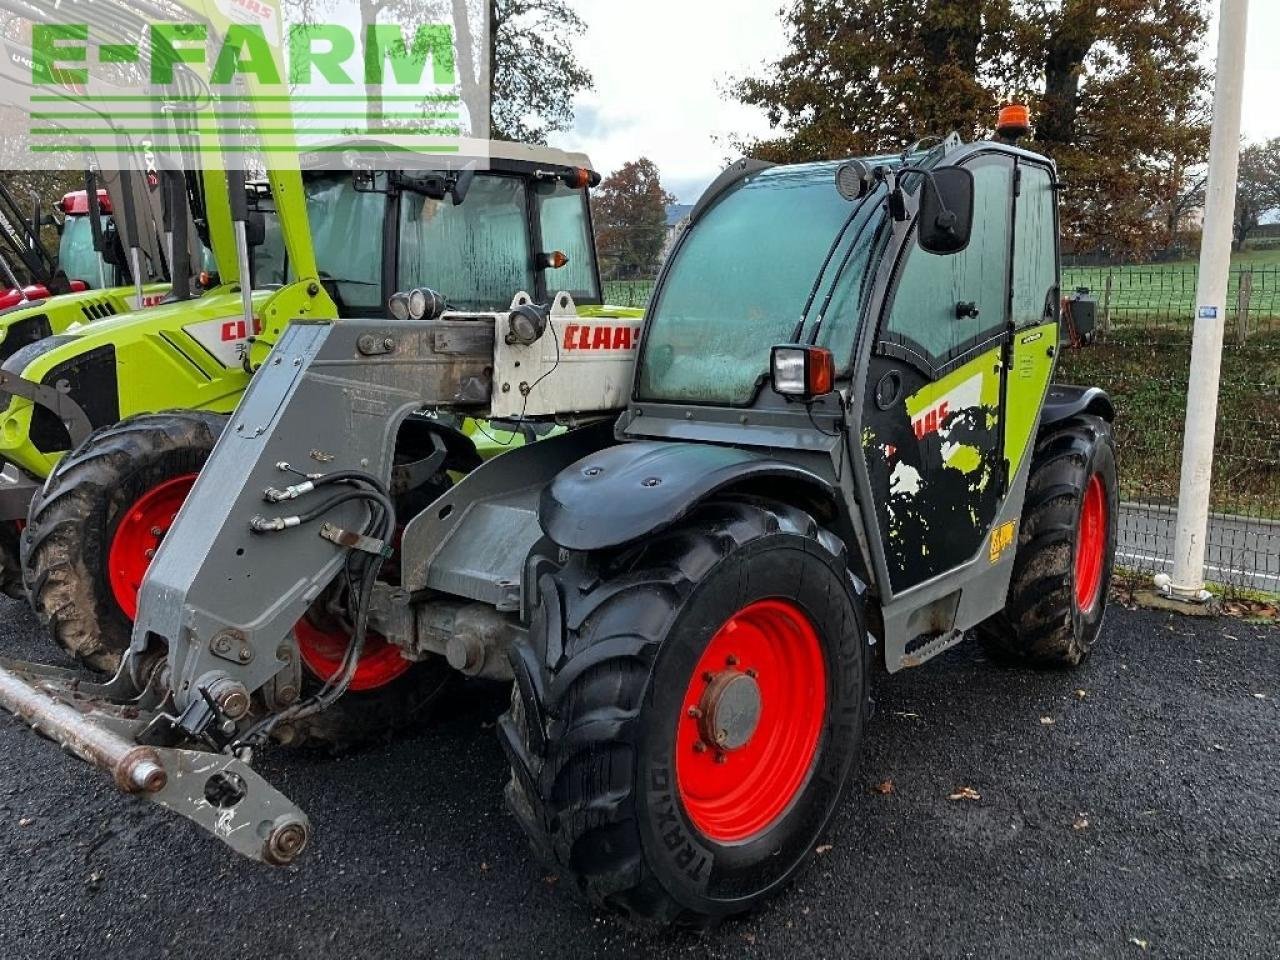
591	734
64	559
1044	623
360	718
74	517
10	564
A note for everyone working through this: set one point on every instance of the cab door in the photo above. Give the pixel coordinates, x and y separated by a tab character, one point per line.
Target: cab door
1036	308
932	426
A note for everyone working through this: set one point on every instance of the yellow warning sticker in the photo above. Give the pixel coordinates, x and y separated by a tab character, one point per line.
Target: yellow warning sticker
1002	539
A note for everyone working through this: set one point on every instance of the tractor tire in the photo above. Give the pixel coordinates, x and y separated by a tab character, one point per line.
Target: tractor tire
10	564
687	712
91	524
1066	548
84	557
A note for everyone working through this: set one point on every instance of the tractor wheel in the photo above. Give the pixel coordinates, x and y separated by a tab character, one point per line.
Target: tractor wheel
98	520
1066	548
10	566
686	712
96	525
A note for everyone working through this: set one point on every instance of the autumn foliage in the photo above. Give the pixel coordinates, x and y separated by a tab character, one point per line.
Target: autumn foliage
1117	90
629	210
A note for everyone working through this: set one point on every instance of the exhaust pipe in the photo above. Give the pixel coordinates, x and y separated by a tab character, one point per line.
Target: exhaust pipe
135	769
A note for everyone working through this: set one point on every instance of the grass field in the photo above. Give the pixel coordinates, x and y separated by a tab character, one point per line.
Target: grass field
1143	361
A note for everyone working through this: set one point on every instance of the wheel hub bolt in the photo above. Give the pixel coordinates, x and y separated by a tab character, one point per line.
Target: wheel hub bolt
699	747
695	713
157	532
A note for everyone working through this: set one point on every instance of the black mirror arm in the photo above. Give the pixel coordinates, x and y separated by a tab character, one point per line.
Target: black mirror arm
946	219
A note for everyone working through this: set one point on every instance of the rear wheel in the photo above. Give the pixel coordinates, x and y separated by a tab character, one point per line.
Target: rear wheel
1066	548
686	713
94	529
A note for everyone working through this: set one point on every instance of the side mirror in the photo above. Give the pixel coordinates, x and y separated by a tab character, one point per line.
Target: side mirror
946	210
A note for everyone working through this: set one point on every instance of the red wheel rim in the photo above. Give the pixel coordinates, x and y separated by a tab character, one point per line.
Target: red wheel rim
1091	546
138	535
322	650
750	721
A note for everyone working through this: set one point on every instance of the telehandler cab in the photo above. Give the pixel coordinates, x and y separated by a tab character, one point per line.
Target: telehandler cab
834	442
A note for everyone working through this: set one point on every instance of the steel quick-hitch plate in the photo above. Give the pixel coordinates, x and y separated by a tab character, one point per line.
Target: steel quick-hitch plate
218	792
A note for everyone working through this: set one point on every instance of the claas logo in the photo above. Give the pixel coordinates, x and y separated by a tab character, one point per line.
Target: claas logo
239	330
587	336
931	421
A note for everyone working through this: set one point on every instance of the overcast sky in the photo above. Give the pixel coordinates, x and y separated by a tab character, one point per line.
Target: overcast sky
661	69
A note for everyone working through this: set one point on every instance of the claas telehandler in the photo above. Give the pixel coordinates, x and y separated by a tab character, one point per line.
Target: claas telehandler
833	443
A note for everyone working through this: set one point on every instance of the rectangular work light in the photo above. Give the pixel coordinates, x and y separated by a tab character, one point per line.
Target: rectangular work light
802	372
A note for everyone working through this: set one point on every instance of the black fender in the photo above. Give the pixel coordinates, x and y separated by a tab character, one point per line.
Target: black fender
1065	401
625	492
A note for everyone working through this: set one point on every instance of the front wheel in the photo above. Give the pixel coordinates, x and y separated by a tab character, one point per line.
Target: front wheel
1066	549
686	714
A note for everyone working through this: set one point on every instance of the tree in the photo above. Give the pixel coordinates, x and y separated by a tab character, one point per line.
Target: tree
1116	89
1258	187
528	50
630	213
535	73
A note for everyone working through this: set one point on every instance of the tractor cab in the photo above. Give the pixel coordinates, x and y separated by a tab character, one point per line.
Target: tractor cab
479	237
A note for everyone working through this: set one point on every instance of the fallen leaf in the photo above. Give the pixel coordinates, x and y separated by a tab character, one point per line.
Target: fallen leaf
1140	944
1259	696
484	867
1081	694
1219	747
1047	721
906	715
550	879
824	849
884	788
965	793
26	821
1082	822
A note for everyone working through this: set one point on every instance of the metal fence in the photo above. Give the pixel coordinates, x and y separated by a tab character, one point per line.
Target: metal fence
1141	356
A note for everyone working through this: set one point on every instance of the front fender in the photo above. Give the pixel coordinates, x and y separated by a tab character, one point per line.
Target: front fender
625	492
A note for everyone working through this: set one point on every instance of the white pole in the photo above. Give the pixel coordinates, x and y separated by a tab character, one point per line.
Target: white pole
1211	305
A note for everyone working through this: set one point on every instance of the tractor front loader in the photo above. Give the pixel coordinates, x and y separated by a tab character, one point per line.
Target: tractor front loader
833	444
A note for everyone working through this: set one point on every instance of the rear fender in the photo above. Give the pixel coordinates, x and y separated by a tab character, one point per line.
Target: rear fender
626	492
1065	401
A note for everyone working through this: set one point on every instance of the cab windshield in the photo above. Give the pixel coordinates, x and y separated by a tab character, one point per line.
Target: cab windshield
741	277
480	253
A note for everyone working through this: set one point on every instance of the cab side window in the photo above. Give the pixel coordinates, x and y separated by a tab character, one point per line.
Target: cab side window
1035	271
946	305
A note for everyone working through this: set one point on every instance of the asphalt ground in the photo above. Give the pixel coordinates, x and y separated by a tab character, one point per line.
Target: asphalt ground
1130	808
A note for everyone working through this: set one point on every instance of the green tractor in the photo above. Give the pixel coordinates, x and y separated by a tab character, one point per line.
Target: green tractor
59	377
522	225
832	444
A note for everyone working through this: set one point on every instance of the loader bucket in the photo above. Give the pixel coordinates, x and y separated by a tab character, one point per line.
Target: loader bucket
105	725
